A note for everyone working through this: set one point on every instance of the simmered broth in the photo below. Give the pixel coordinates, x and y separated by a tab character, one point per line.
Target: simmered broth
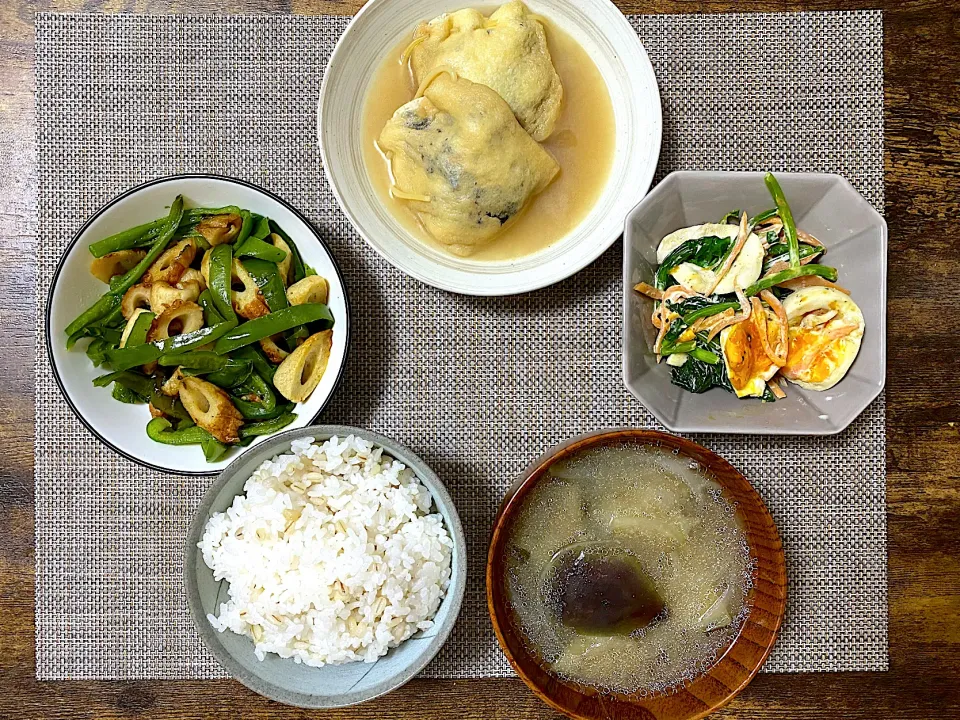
627	569
582	142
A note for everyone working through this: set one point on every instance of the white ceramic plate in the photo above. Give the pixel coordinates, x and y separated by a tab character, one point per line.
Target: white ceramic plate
614	47
122	426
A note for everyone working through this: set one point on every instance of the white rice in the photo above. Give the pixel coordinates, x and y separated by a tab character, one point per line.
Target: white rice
331	554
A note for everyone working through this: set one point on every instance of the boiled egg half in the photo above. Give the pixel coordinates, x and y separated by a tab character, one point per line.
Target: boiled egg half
826	329
743	273
748	365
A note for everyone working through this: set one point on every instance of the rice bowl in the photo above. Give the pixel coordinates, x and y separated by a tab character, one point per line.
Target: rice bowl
332	554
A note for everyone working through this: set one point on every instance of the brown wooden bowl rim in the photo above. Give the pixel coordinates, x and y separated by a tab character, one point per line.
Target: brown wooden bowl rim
532	474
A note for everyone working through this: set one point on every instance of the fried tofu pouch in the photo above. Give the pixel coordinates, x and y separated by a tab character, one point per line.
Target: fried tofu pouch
506	52
462	163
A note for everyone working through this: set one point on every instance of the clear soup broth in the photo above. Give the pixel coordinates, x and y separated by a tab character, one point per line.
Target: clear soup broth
627	570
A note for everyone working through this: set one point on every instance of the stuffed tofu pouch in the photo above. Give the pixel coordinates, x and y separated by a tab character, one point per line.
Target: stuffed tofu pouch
506	52
462	162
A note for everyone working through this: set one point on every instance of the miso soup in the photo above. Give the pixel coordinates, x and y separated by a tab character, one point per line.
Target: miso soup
627	569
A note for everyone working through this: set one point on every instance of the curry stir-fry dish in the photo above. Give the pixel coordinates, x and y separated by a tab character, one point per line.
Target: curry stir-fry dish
745	303
210	315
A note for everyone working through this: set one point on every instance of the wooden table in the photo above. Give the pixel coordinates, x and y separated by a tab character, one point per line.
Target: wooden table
922	164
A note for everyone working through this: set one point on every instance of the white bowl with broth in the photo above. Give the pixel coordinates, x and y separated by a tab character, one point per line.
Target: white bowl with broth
606	141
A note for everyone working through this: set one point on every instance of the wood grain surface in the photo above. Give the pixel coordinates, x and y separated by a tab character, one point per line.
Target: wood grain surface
922	167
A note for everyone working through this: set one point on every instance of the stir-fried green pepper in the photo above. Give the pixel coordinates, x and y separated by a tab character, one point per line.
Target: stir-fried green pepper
125	358
109	301
267	276
761	218
263	367
160	430
202	360
221	274
213	449
169	406
298	269
254	398
256	248
246	227
210	314
235	363
234	373
126	395
276	322
140	330
267	427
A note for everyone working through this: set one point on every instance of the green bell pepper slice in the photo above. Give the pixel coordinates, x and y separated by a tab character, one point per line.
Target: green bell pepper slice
110	301
159	430
221	274
276	322
257	248
267	276
267	427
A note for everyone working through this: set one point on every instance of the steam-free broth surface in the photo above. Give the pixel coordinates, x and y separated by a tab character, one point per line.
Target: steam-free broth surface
627	569
582	142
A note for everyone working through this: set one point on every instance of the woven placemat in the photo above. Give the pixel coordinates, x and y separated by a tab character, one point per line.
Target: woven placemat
476	386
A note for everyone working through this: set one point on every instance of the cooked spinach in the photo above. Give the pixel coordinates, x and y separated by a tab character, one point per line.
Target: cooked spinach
698	376
707	252
781	253
731	218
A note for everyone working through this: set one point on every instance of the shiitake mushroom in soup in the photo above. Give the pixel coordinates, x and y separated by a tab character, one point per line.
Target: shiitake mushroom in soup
627	570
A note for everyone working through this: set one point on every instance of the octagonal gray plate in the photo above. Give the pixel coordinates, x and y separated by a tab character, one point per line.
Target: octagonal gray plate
824	205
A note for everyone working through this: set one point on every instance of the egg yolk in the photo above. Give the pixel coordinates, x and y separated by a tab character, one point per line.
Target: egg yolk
812	357
745	356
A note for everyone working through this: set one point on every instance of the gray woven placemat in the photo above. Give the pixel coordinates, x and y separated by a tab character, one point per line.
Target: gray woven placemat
476	386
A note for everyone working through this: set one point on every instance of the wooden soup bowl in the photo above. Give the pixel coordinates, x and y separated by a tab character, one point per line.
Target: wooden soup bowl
735	665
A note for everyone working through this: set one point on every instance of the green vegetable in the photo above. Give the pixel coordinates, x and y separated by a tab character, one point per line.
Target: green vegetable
296	265
124	240
109	301
234	373
706	356
202	360
144	235
213	449
256	248
126	395
210	314
267	276
221	275
761	218
824	271
731	218
780	253
159	430
261	229
169	406
276	322
697	375
263	367
125	358
267	427
691	317
97	351
671	348
135	382
706	252
246	227
254	398
140	330
786	217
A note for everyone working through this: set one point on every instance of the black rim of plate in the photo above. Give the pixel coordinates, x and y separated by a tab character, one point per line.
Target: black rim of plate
76	239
